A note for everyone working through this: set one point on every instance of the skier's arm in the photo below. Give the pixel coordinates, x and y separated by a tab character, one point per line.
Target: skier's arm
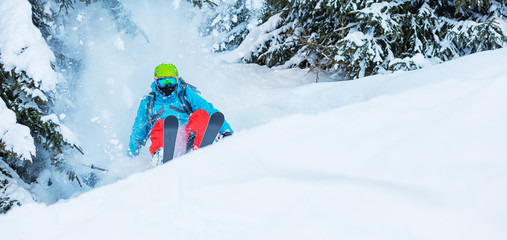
197	102
139	130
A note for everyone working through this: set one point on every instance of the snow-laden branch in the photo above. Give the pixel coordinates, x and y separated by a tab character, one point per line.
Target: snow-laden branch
22	46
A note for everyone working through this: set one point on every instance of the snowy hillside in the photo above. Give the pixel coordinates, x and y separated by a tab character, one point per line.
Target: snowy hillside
413	155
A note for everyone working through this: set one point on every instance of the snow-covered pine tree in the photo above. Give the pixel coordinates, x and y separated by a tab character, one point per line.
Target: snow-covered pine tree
32	138
123	18
303	33
12	185
227	22
356	38
32	58
32	106
35	113
201	3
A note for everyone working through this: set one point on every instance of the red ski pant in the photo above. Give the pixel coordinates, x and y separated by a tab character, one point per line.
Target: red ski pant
197	122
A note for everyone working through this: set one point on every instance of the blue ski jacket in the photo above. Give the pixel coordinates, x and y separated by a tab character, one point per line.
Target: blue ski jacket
164	106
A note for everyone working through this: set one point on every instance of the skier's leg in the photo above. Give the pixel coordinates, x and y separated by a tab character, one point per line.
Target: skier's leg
157	142
197	123
157	136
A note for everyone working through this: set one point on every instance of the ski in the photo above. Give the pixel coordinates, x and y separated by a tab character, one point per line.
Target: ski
215	123
171	125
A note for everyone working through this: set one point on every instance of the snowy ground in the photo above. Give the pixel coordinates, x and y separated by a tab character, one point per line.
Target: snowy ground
417	155
413	155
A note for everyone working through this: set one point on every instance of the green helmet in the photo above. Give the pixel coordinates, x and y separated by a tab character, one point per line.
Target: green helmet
166	70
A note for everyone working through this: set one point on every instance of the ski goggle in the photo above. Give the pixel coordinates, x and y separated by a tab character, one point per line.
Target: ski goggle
166	81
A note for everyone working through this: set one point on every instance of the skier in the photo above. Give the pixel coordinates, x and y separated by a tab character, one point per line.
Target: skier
170	96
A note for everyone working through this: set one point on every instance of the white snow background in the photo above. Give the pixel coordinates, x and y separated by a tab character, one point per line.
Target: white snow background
411	155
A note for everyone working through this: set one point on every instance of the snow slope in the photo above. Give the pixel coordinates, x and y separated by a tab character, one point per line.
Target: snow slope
413	155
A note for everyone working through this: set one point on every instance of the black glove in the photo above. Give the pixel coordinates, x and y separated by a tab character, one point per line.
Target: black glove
225	134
